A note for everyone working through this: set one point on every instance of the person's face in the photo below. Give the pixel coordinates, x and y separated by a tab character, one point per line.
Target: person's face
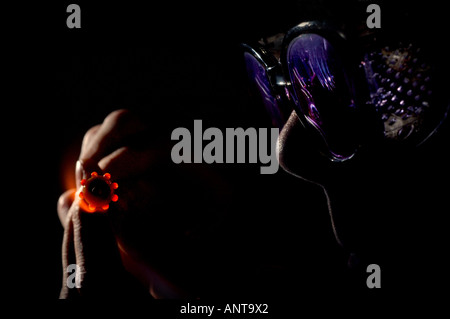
399	100
371	197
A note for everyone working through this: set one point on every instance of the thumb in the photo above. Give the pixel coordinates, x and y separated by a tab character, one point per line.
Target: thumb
63	205
94	248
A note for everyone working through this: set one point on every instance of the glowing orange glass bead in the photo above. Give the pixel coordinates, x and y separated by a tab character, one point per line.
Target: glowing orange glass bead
97	192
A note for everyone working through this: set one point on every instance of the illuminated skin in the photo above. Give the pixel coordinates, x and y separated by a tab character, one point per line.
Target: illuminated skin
351	189
87	236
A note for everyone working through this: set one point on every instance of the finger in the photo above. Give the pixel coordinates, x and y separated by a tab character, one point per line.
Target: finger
63	205
67	253
89	243
97	255
127	162
117	128
88	137
84	168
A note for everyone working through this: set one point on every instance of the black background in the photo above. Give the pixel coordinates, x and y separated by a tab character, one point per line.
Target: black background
178	62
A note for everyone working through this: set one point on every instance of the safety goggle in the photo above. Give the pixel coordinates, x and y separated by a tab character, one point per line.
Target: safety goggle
343	91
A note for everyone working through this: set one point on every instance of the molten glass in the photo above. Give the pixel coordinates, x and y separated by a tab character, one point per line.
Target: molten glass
97	192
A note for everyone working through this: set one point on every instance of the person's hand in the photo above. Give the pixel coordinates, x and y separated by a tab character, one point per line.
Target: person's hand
122	147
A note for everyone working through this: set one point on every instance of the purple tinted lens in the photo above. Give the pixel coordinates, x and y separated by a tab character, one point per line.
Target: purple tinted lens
258	77
322	92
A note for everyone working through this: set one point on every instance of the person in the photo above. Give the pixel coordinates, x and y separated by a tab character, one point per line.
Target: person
175	252
346	128
108	246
